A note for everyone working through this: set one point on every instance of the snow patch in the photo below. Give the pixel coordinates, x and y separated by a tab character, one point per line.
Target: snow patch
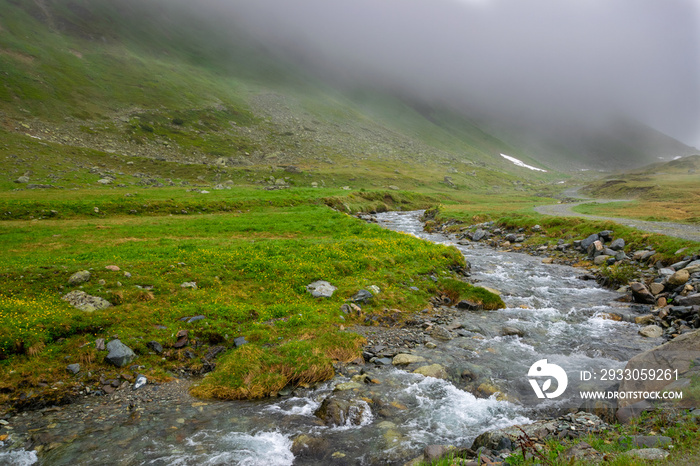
520	163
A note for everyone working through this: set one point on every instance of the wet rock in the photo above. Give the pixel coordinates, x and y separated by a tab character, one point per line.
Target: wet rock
649	454
641	294
441	333
155	346
341	387
651	331
509	331
85	302
644	320
403	359
343	409
434	370
73	368
306	446
433	453
79	277
119	354
321	289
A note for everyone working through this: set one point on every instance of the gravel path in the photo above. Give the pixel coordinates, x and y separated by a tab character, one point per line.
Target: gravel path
678	230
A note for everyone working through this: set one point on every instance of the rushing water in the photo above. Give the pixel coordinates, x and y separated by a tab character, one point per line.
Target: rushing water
557	313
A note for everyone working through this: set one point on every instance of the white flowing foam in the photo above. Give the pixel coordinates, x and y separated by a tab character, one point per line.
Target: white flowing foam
18	458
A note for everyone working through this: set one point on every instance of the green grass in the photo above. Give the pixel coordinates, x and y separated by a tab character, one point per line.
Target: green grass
251	268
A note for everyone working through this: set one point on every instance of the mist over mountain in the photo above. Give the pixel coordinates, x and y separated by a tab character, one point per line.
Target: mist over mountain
572	85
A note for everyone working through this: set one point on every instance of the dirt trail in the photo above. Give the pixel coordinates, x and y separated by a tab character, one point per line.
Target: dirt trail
678	230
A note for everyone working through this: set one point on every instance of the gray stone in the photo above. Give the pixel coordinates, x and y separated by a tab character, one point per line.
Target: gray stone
432	453
321	289
690	300
343	409
441	333
679	265
374	289
641	294
606	235
510	331
239	341
22	179
677	354
192	285
383	361
73	368
595	249
600	260
651	331
402	359
119	354
105	181
618	244
469	305
79	277
85	302
588	241
650	454
361	296
341	387
582	451
434	370
154	346
478	235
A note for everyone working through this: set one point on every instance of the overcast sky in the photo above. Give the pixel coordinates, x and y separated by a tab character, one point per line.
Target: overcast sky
551	60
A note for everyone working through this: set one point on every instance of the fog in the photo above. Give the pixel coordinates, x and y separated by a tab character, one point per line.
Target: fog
554	62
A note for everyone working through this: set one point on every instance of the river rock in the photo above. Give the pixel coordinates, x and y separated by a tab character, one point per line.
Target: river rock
343	409
341	387
434	370
469	305
119	354
649	454
403	359
85	302
441	333
679	278
478	235
677	354
656	288
690	300
646	319
321	289
651	331
641	294
79	277
306	446
510	331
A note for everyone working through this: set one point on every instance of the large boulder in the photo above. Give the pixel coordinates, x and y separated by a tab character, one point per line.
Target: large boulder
678	354
119	354
85	302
